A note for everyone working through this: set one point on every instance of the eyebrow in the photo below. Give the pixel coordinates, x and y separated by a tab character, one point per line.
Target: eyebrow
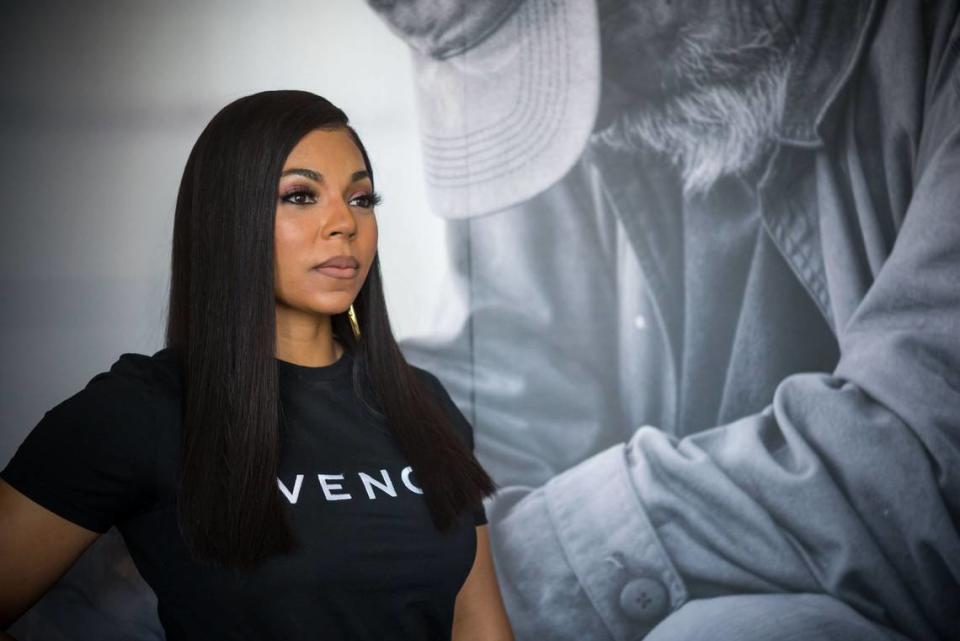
318	177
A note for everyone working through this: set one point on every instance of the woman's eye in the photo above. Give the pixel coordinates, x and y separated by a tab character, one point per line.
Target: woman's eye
300	198
366	201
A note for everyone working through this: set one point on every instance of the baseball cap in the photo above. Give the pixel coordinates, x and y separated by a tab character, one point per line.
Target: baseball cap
507	94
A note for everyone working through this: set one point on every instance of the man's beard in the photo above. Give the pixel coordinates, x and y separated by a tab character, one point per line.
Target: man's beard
722	122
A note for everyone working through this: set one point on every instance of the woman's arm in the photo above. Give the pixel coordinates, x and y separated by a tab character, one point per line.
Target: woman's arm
36	548
479	614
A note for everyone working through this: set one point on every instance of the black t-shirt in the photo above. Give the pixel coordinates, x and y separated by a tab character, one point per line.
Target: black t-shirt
371	564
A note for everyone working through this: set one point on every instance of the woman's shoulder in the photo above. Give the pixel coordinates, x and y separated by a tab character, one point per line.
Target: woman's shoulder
135	386
121	411
433	385
428	378
154	375
441	394
93	457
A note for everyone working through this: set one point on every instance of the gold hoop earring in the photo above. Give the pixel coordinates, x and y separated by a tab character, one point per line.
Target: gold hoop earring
354	325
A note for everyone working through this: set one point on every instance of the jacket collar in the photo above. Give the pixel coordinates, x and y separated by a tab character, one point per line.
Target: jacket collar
831	39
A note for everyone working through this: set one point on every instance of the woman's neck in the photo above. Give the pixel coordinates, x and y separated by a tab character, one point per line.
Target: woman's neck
306	338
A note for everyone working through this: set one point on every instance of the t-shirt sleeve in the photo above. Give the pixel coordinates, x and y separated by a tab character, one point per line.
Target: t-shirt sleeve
90	459
460	424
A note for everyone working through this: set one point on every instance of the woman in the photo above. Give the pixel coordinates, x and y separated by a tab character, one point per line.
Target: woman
278	470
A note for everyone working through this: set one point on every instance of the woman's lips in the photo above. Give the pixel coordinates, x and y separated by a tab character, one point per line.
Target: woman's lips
337	272
339	267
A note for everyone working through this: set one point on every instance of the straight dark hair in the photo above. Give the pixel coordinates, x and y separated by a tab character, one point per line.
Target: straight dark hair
222	327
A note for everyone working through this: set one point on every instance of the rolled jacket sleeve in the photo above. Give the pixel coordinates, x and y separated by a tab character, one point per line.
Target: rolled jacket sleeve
825	492
582	550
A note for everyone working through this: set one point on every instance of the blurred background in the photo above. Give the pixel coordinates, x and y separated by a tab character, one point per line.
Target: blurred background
100	104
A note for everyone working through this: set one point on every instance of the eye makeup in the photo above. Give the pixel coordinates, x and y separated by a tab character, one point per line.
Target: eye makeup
298	195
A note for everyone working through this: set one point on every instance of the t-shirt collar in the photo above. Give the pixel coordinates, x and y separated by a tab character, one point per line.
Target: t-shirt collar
339	369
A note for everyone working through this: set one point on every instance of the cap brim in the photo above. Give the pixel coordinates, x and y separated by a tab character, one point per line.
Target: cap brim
506	119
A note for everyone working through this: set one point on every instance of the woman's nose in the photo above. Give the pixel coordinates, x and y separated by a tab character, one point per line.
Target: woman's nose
339	221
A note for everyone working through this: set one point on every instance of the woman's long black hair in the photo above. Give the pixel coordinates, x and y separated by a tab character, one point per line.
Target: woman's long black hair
222	327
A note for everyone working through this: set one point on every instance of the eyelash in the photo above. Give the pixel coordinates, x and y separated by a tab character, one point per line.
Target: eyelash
373	198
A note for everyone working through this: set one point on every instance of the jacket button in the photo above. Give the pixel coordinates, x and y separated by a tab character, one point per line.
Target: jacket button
644	600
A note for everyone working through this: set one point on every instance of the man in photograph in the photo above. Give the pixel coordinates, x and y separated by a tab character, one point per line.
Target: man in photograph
706	309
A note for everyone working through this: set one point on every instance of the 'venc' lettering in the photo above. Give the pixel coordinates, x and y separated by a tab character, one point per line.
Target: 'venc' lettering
334	490
385	486
295	494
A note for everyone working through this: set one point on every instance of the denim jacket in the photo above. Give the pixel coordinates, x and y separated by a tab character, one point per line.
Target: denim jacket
754	391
